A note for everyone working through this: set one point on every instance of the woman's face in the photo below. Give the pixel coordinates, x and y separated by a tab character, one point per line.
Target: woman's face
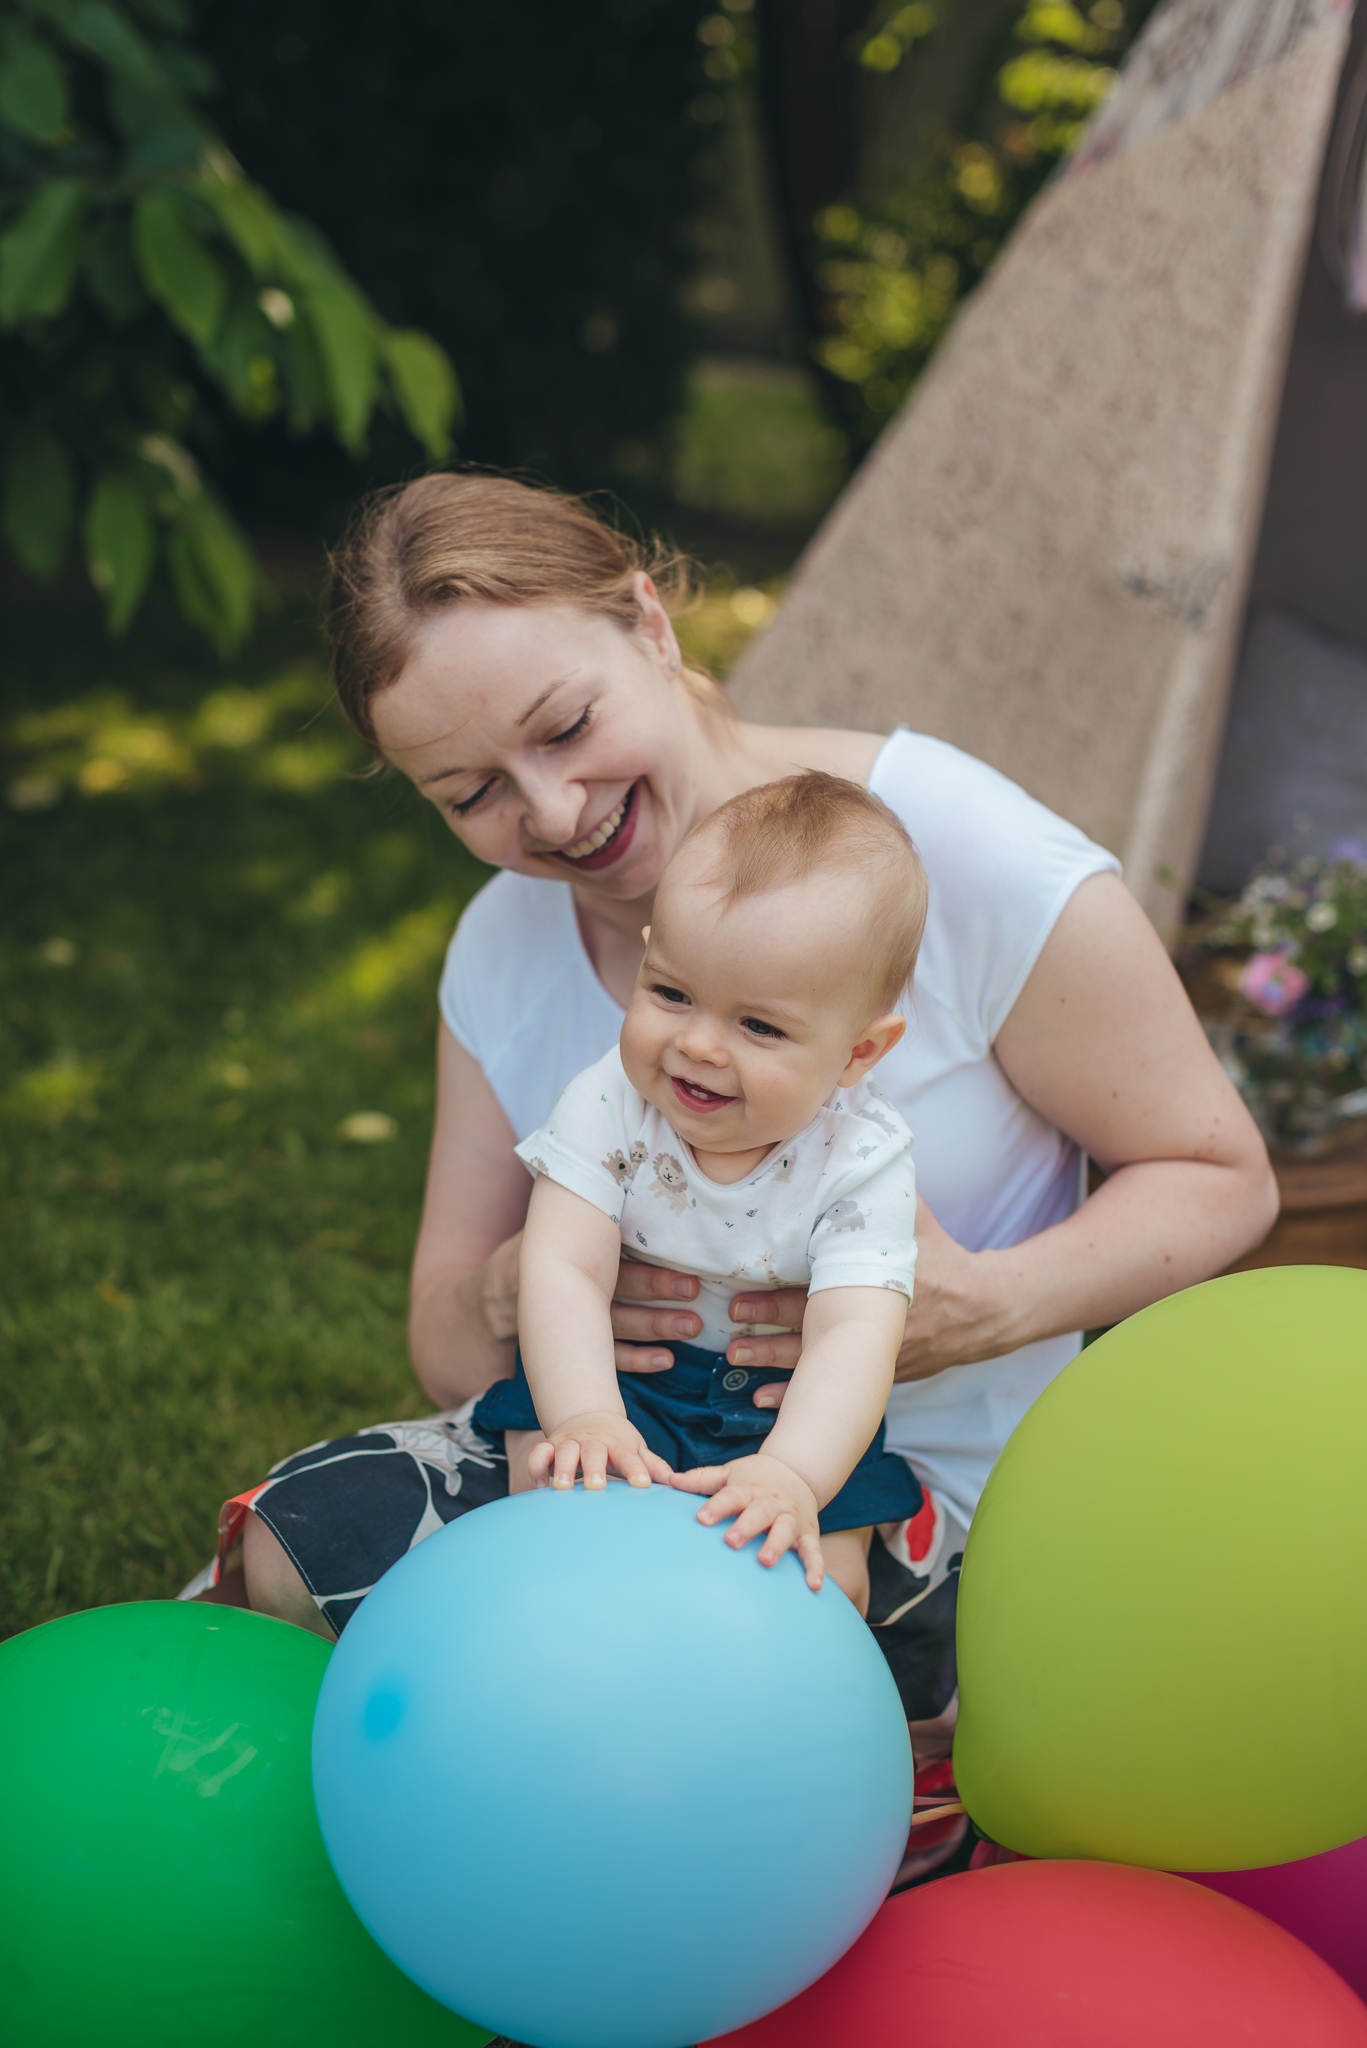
552	741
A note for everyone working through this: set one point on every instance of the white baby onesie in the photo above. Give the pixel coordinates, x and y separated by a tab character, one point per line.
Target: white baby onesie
834	1207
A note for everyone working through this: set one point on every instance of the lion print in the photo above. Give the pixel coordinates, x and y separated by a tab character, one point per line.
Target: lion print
670	1182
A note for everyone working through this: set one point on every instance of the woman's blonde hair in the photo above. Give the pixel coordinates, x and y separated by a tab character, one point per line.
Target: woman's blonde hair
413	550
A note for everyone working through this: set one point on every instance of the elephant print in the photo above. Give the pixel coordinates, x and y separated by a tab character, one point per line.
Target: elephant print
845	1215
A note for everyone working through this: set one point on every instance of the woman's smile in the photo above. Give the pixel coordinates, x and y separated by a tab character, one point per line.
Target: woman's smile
608	841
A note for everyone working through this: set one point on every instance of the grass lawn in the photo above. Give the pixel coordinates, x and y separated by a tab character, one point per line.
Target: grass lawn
217	946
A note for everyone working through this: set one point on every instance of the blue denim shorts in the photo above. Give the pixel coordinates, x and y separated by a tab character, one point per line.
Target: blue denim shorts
702	1412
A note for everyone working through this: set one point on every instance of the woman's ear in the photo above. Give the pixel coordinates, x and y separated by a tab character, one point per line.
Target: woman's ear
874	1040
656	626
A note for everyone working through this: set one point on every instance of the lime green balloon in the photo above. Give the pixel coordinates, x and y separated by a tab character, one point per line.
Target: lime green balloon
163	1883
1163	1609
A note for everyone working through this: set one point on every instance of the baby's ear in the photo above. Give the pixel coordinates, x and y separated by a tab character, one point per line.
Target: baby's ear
874	1041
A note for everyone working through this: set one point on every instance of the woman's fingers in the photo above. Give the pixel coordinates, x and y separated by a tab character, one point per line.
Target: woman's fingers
636	1282
655	1325
636	1358
786	1306
780	1351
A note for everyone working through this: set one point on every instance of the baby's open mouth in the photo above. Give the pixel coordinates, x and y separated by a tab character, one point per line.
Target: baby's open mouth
595	844
693	1097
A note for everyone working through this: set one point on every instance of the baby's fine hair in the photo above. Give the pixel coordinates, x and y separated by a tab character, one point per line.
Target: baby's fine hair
781	832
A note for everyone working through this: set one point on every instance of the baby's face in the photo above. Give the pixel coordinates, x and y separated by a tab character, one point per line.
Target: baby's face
744	1020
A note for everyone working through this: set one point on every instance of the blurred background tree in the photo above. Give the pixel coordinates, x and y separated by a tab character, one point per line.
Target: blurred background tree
146	285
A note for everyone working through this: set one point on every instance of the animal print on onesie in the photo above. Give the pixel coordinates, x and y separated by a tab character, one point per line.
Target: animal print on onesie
833	1207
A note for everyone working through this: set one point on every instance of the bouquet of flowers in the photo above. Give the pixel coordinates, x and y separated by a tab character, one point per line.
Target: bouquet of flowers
1294	960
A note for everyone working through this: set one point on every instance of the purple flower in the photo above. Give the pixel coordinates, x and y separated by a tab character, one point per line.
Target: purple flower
1349	849
1273	983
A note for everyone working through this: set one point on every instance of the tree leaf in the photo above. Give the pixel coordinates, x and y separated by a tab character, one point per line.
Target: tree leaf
32	85
177	268
120	545
40	500
38	253
344	329
252	224
110	272
215	576
425	386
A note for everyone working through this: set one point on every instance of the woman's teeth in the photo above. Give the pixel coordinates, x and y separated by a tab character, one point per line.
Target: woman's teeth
599	837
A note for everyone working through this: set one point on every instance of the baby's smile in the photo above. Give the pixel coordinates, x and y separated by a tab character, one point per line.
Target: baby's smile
692	1096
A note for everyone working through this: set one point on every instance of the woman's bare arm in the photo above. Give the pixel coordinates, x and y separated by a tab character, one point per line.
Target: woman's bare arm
462	1321
1104	1043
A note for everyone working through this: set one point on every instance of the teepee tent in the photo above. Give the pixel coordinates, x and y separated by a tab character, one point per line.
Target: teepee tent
1047	559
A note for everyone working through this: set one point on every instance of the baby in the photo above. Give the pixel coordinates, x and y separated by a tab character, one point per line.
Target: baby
735	1135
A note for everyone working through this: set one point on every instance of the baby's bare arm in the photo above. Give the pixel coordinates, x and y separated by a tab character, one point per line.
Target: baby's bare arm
850	1339
569	1259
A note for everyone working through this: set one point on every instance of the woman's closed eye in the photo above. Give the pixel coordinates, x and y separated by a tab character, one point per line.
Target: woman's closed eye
572	732
761	1029
463	808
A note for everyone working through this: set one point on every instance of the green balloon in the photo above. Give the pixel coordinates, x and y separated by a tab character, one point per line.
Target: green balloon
163	1883
1163	1610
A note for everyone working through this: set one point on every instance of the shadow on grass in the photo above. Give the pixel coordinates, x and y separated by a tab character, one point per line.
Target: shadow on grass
217	947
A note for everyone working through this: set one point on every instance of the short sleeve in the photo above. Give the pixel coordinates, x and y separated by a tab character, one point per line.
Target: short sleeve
867	1238
584	1143
1001	867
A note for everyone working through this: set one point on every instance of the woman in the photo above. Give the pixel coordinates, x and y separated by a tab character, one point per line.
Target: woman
515	659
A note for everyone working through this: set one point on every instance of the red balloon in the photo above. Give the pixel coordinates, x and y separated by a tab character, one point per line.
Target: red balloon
1322	1901
1068	1955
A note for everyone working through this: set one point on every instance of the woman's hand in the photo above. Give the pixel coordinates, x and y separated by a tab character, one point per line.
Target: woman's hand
957	1314
636	1329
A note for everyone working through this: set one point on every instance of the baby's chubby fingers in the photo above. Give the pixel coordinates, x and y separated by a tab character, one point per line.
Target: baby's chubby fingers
567	1455
701	1479
813	1563
541	1463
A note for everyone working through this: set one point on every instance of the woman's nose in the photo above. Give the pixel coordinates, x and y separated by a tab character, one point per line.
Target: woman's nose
552	809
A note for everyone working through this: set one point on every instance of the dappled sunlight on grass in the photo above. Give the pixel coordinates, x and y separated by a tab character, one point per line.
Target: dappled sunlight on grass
217	1021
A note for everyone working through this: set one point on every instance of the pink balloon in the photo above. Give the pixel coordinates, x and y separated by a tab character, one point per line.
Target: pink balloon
1322	1900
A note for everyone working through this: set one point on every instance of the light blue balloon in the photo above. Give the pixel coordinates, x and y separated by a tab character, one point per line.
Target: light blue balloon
594	1780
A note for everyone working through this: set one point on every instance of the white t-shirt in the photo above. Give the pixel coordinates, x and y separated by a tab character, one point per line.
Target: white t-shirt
520	994
834	1207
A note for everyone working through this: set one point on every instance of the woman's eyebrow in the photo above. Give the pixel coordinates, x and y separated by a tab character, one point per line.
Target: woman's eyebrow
442	774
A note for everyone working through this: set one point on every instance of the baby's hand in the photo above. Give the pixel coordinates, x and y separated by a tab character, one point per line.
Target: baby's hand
594	1441
762	1493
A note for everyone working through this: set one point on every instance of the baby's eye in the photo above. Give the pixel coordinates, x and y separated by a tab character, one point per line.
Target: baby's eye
760	1028
668	995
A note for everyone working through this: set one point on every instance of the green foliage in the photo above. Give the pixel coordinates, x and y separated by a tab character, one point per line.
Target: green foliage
219	947
517	181
144	278
893	280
